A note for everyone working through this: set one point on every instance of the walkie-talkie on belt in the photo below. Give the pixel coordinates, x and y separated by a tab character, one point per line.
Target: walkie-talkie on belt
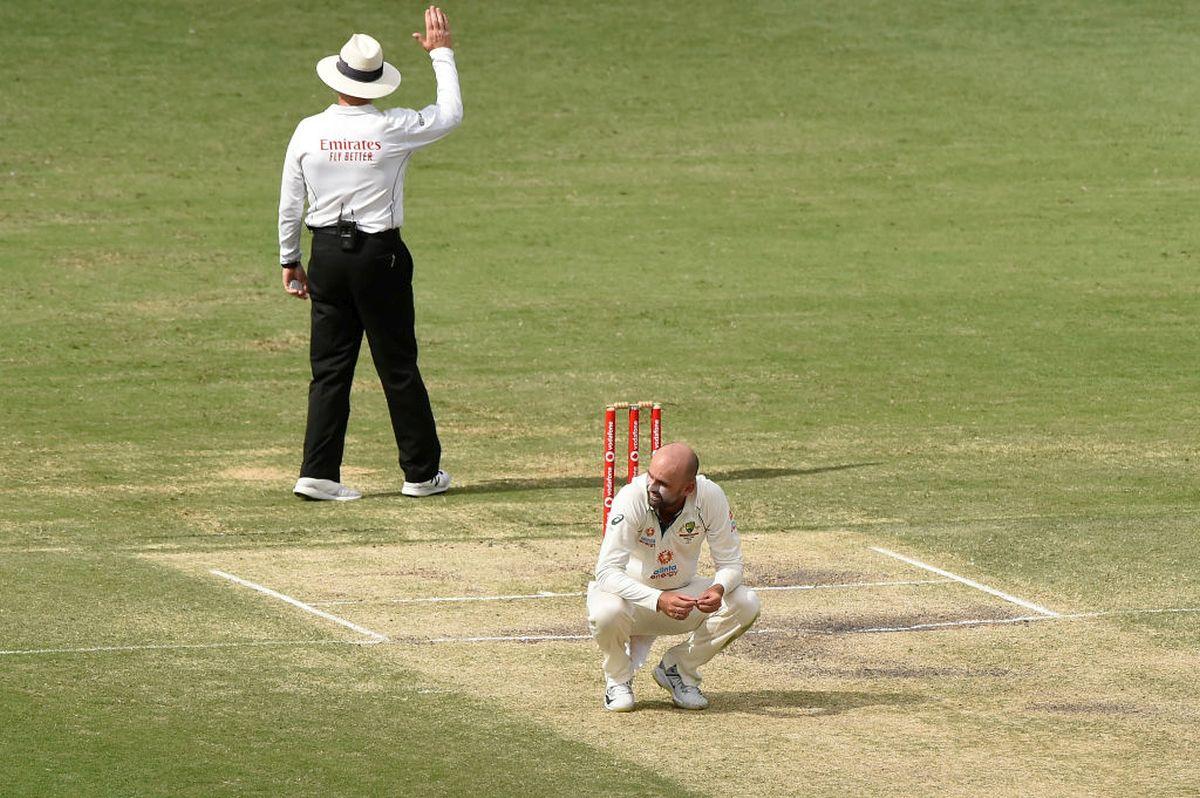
347	232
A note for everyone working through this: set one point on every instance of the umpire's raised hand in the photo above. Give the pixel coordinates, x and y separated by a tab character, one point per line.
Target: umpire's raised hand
437	30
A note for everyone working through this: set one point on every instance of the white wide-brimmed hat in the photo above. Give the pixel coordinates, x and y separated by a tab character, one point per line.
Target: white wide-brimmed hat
359	70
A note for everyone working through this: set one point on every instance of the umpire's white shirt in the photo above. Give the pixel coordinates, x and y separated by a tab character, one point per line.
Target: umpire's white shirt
351	160
638	560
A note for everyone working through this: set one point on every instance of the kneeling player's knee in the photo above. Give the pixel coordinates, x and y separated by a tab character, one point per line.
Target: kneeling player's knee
746	605
606	612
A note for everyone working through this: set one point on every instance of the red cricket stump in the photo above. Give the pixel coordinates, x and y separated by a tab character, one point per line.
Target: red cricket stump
610	462
635	439
655	427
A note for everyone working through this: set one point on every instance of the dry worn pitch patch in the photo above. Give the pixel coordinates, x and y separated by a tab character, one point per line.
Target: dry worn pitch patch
809	702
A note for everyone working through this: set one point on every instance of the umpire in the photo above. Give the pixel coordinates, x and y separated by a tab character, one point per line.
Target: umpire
349	163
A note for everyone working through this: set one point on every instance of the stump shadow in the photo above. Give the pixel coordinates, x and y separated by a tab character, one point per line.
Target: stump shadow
572	483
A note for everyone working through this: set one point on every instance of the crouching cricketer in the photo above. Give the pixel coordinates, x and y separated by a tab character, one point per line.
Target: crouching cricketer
646	583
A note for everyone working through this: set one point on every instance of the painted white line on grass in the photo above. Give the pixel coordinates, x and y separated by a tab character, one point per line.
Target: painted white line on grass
1074	616
539	638
508	639
177	646
546	594
854	585
39	550
1106	613
297	603
946	624
968	582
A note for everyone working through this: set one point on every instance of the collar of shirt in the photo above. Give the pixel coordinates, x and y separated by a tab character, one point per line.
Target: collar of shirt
689	504
353	110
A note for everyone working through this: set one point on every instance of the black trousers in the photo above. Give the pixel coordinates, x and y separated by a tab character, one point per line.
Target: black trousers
369	289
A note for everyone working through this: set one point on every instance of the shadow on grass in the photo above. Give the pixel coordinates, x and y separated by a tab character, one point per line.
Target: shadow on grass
792	703
571	483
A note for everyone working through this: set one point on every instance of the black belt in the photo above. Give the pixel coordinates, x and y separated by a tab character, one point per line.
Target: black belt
332	231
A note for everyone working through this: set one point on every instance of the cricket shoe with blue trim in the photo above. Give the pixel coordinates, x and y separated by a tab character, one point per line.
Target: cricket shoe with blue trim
685	696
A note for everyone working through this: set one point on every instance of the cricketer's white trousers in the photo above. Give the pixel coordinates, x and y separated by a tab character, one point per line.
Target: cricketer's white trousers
625	631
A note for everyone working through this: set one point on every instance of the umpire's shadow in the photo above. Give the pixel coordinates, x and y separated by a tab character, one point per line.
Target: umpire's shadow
792	703
564	483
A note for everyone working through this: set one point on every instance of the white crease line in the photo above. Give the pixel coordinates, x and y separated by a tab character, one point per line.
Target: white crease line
40	550
945	624
538	638
297	603
1074	616
1105	613
968	582
436	599
854	584
509	639
546	594
177	646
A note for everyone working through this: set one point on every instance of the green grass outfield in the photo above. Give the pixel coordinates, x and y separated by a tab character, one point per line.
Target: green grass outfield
927	269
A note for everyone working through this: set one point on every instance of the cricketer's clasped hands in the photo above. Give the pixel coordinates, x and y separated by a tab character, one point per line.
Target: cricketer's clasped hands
679	606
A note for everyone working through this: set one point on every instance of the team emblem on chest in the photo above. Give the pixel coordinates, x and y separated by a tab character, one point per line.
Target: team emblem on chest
688	532
666	569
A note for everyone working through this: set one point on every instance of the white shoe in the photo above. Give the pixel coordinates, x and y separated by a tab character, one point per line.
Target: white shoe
439	484
619	698
324	490
685	696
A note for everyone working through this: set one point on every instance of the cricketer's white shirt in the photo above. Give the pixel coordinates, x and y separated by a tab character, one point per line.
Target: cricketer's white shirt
638	561
351	160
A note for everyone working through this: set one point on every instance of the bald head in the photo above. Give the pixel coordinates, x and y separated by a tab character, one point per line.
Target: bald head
675	462
672	478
